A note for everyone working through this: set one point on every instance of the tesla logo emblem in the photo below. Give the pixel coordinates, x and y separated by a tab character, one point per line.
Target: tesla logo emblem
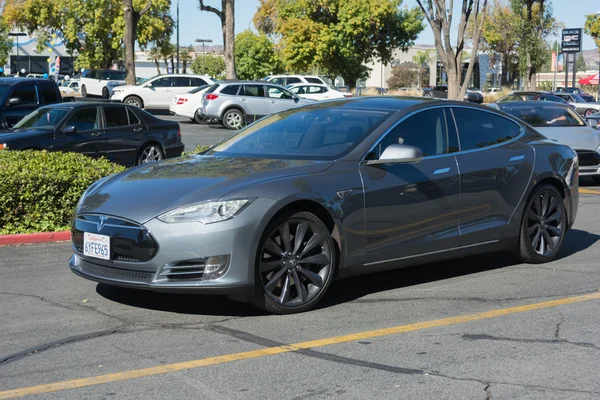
342	194
100	224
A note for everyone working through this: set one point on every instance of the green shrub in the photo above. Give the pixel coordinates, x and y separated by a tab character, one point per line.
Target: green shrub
198	150
39	189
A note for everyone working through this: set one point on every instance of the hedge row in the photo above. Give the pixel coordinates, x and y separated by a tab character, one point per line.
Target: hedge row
39	189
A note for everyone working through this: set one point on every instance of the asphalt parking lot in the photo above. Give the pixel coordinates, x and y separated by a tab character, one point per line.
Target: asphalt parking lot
478	328
194	134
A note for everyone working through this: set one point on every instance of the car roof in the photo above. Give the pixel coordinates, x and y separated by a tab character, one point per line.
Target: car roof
14	81
539	104
76	104
531	92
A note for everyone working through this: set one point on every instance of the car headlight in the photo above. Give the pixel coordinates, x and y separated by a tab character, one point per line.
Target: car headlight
206	213
466	96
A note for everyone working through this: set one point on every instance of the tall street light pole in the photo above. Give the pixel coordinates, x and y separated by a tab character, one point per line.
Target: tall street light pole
598	98
177	69
16	34
203	41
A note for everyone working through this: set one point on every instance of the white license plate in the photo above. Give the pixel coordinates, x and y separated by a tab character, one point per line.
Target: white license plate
97	246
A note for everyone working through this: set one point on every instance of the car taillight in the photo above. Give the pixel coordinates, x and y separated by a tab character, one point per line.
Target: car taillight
211	96
3	146
181	100
347	94
179	131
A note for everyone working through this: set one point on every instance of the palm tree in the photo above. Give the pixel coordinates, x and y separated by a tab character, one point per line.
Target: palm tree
167	51
185	56
422	57
155	55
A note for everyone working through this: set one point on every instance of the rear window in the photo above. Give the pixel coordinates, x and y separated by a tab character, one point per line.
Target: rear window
544	116
312	80
231	89
213	88
199	88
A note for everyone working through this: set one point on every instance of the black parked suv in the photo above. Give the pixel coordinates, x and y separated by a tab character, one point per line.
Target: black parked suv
20	96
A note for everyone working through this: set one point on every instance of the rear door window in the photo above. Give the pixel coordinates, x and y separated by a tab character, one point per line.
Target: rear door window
478	129
115	116
292	79
84	119
546	115
312	80
253	91
181	81
231	89
133	119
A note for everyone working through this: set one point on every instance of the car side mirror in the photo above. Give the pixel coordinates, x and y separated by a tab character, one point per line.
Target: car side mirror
69	130
398	153
148	85
15	101
296	98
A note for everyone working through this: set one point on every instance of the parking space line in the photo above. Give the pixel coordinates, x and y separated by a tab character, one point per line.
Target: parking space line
269	351
588	191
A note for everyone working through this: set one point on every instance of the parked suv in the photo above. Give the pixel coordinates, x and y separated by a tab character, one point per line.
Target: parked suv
285	80
20	96
100	82
158	92
236	103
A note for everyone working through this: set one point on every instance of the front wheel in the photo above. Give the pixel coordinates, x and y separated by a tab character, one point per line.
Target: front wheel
150	153
233	119
134	101
590	111
427	95
543	226
295	264
105	93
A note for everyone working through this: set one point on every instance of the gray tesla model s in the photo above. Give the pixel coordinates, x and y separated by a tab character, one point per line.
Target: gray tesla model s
273	214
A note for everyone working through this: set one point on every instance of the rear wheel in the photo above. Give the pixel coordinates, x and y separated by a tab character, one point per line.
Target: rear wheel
84	92
233	119
200	119
427	95
105	94
295	264
589	112
150	153
543	226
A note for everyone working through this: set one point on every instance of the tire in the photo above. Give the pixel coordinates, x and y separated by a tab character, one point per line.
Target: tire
596	179
105	93
200	120
539	227
427	95
279	265
84	92
134	101
150	153
233	119
589	112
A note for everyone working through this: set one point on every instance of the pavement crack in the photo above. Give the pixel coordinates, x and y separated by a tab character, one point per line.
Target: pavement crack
33	296
544	341
557	331
487	392
57	343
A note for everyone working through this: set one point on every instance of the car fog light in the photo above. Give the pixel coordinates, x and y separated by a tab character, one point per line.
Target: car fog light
215	267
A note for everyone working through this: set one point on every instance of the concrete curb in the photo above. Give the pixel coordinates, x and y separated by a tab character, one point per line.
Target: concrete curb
41	237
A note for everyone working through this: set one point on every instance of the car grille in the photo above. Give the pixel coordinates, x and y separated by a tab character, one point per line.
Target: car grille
588	158
190	269
111	272
129	242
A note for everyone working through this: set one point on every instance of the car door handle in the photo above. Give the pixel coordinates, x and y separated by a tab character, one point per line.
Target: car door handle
441	171
138	129
517	158
97	133
273	101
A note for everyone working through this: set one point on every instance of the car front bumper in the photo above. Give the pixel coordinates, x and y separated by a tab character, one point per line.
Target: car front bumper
589	162
119	96
182	250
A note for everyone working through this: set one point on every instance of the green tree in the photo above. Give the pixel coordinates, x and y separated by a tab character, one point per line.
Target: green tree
167	52
421	59
439	15
93	28
154	55
213	66
580	63
5	41
592	27
185	57
339	37
403	75
255	56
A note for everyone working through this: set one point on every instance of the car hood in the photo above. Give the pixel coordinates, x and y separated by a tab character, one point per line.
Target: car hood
20	133
142	193
125	87
576	137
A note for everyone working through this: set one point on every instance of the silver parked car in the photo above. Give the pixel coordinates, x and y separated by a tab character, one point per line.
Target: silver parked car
237	103
276	212
561	123
582	106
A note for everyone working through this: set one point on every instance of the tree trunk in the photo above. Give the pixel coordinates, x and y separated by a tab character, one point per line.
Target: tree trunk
183	66
504	76
527	80
132	17
453	81
229	37
157	65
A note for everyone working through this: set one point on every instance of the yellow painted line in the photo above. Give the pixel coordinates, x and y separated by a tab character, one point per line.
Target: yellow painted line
269	351
588	191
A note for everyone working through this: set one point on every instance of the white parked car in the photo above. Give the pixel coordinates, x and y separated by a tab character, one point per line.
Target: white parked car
189	104
158	92
559	122
316	92
100	82
284	80
70	87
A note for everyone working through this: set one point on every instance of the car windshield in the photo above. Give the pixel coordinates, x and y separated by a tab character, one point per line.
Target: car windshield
544	115
44	118
304	134
197	89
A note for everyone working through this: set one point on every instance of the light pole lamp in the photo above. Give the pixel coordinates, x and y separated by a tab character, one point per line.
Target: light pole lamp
203	41
17	34
177	69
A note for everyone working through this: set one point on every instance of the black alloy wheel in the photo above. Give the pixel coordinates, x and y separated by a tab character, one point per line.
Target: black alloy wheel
295	265
544	226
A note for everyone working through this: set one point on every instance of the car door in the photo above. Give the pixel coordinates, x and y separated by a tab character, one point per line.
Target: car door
495	171
159	91
279	99
254	101
123	134
23	100
440	92
316	93
88	135
412	208
181	84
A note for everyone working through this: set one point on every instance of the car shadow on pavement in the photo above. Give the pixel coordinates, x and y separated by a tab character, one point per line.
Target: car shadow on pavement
341	291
